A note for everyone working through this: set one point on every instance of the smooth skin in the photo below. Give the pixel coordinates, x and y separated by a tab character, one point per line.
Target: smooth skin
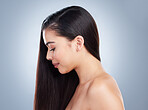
97	89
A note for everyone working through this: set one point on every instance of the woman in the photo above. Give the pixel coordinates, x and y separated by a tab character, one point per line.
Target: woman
69	71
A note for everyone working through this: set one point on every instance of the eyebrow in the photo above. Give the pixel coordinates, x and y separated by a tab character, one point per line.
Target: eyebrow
49	43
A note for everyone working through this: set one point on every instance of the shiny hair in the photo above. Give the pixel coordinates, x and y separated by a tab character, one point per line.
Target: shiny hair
53	90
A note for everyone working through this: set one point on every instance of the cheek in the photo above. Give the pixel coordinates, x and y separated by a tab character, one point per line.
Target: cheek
59	55
63	56
65	59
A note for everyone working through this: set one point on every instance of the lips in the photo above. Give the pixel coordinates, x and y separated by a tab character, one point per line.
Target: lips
55	65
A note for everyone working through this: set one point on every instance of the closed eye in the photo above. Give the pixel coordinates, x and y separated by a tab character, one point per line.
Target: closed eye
52	49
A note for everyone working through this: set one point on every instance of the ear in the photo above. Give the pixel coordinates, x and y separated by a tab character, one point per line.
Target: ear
79	41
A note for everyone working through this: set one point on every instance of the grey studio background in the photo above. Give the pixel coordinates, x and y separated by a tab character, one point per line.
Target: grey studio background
123	30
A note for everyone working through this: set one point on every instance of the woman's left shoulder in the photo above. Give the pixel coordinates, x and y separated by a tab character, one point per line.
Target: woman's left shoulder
103	83
103	92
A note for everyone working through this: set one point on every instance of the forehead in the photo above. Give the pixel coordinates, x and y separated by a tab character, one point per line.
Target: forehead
52	36
49	36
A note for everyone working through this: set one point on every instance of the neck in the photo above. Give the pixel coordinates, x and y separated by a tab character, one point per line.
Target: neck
89	67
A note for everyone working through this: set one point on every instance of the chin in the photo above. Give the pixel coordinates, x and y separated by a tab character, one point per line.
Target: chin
65	71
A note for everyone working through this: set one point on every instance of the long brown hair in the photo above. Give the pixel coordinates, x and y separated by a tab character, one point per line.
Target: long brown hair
53	90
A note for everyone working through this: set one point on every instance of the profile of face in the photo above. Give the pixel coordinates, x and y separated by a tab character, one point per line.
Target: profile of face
63	53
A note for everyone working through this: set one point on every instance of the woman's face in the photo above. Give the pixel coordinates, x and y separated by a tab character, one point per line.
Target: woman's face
60	50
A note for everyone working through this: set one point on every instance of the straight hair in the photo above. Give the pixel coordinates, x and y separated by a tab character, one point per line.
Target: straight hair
53	90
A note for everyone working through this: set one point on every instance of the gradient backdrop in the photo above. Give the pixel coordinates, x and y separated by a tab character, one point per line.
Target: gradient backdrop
123	30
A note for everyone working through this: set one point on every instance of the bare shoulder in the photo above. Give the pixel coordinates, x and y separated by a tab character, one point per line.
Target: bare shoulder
103	82
104	94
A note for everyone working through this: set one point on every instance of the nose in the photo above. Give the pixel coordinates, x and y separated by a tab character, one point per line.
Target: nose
49	55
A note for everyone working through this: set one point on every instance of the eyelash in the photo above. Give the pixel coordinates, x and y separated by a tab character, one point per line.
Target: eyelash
52	49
